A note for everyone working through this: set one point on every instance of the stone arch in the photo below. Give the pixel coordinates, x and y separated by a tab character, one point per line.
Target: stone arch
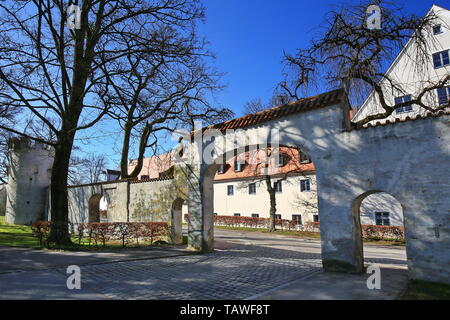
176	221
94	208
201	227
356	213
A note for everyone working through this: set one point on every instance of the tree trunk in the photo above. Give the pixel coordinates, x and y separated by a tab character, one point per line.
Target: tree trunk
59	233
273	203
125	151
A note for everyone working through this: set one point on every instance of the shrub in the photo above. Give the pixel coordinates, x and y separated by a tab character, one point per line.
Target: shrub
102	232
383	232
41	230
312	227
81	227
122	232
154	230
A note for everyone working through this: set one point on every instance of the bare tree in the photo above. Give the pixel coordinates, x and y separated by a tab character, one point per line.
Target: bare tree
278	98
271	166
57	76
85	170
254	106
167	87
347	54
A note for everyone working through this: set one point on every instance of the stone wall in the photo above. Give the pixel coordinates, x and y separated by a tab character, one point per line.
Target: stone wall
408	160
127	201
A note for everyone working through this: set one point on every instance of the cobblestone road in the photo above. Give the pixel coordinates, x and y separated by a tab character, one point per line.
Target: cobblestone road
248	265
237	273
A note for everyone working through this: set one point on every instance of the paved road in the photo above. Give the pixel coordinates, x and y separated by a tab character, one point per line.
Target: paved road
245	266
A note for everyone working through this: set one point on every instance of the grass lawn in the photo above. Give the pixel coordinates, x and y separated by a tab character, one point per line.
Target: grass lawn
306	235
17	236
423	290
21	236
311	235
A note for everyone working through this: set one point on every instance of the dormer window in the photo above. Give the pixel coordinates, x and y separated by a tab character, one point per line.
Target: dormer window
238	166
437	29
304	158
221	169
281	160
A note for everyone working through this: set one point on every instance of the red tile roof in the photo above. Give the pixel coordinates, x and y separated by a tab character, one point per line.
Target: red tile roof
319	101
383	123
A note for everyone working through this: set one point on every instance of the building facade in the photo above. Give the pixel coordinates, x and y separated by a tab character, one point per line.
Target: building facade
413	81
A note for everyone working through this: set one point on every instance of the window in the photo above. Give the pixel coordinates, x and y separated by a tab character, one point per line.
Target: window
282	159
443	95
382	219
441	59
221	169
297	219
252	188
437	29
230	190
316	218
278	186
405	108
304	158
238	166
237	214
278	216
255	215
305	185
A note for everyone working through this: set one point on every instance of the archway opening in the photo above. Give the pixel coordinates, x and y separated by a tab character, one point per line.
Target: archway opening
103	209
178	212
253	183
94	208
381	220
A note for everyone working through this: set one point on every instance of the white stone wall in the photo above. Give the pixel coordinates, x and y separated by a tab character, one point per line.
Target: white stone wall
407	160
411	80
127	201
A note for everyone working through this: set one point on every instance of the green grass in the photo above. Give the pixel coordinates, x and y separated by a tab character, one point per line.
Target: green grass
305	235
423	290
21	236
16	236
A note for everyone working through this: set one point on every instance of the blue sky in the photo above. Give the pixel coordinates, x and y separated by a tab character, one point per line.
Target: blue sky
248	38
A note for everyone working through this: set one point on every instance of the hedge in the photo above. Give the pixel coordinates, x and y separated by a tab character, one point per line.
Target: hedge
368	231
96	233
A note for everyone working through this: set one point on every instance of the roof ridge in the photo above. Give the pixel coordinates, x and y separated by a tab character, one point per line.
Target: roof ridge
303	104
428	115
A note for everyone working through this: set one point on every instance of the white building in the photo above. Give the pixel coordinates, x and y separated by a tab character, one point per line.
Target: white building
412	81
240	191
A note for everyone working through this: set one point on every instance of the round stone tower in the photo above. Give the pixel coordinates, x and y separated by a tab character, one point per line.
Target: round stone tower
29	175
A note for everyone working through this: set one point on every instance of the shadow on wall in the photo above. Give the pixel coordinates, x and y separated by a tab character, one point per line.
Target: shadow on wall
403	159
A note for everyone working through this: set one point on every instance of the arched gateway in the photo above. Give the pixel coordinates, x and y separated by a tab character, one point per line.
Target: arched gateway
403	158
